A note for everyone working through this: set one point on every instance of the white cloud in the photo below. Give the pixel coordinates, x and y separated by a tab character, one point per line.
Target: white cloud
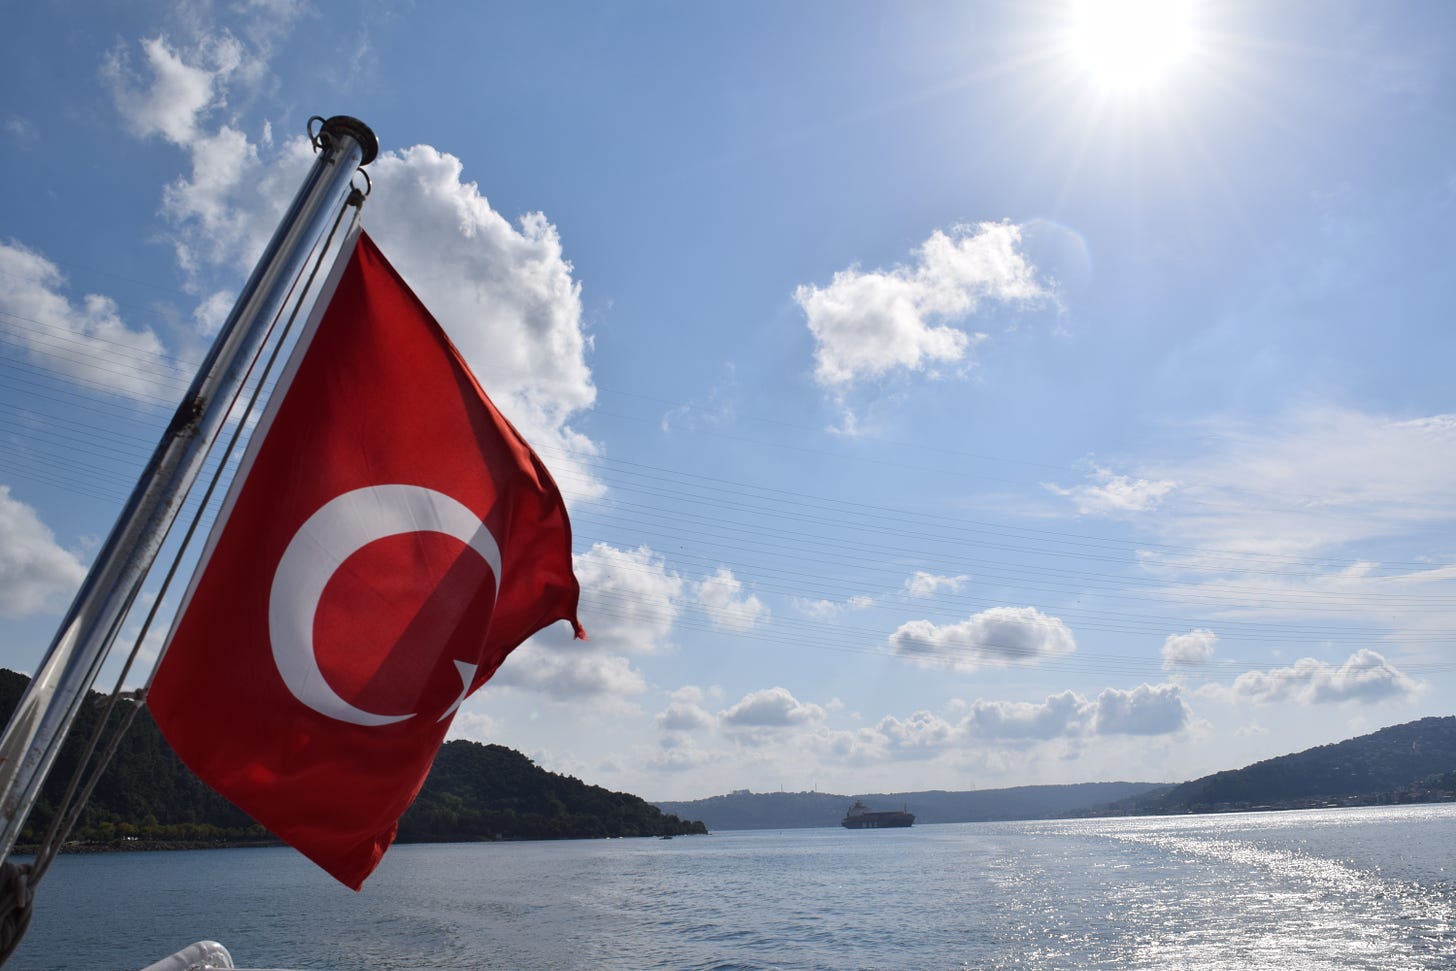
504	293
212	312
867	324
770	708
20	129
922	731
629	598
1065	715
86	341
628	606
690	693
225	212
830	609
1109	493
36	574
1189	650
923	584
720	596
473	725
1365	678
684	716
1312	481
564	675
1280	518
181	86
1145	710
678	753
997	637
858	747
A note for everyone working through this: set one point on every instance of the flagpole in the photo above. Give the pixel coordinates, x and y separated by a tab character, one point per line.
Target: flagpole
38	727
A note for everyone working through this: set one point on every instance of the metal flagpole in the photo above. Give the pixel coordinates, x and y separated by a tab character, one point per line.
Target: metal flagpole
33	738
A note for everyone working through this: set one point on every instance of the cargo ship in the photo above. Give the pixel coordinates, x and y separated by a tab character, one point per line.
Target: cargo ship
860	817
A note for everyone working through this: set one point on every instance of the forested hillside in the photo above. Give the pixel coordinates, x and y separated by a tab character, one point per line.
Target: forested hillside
1413	762
491	792
474	792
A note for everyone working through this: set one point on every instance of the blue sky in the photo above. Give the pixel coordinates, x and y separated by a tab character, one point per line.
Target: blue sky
943	399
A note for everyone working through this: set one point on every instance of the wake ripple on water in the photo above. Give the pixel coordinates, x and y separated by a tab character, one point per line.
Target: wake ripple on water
1241	902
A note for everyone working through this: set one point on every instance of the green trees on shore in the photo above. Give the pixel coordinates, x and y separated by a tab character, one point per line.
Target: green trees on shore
474	792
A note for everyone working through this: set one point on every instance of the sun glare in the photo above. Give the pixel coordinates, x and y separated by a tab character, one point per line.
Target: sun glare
1129	45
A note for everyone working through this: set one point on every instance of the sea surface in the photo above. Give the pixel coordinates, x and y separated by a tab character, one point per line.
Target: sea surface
1337	889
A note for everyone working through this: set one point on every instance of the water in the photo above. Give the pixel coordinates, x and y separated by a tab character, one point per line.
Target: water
1327	889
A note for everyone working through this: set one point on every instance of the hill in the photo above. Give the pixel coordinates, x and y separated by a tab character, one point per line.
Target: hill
480	791
1413	762
474	792
793	810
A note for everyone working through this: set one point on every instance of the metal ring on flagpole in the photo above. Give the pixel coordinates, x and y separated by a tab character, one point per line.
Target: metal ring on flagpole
355	129
344	125
368	183
313	136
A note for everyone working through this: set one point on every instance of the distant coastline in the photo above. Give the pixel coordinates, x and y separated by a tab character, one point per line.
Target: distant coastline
1404	764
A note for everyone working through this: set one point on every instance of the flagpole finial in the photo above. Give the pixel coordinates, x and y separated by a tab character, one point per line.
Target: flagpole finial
355	129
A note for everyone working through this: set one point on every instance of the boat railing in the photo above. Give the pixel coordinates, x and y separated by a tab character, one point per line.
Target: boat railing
202	956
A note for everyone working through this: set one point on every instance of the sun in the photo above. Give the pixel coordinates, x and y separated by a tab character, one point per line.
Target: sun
1129	45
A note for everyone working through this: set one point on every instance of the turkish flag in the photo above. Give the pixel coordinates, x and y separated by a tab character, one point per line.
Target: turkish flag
388	540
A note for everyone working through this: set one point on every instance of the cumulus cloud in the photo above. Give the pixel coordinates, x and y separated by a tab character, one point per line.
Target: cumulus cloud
474	725
504	291
629	598
1145	710
923	584
922	731
628	606
721	595
225	211
1109	493
1060	716
678	753
85	340
175	88
684	716
860	746
770	708
570	676
869	323
1365	678
1189	650
36	574
998	637
1067	717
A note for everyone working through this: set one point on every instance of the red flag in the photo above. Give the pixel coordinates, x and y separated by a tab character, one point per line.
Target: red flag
389	539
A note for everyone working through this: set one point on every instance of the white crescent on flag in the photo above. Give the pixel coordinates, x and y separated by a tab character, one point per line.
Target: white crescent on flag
330	536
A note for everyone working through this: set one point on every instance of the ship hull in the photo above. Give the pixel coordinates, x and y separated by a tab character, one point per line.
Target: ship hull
879	821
